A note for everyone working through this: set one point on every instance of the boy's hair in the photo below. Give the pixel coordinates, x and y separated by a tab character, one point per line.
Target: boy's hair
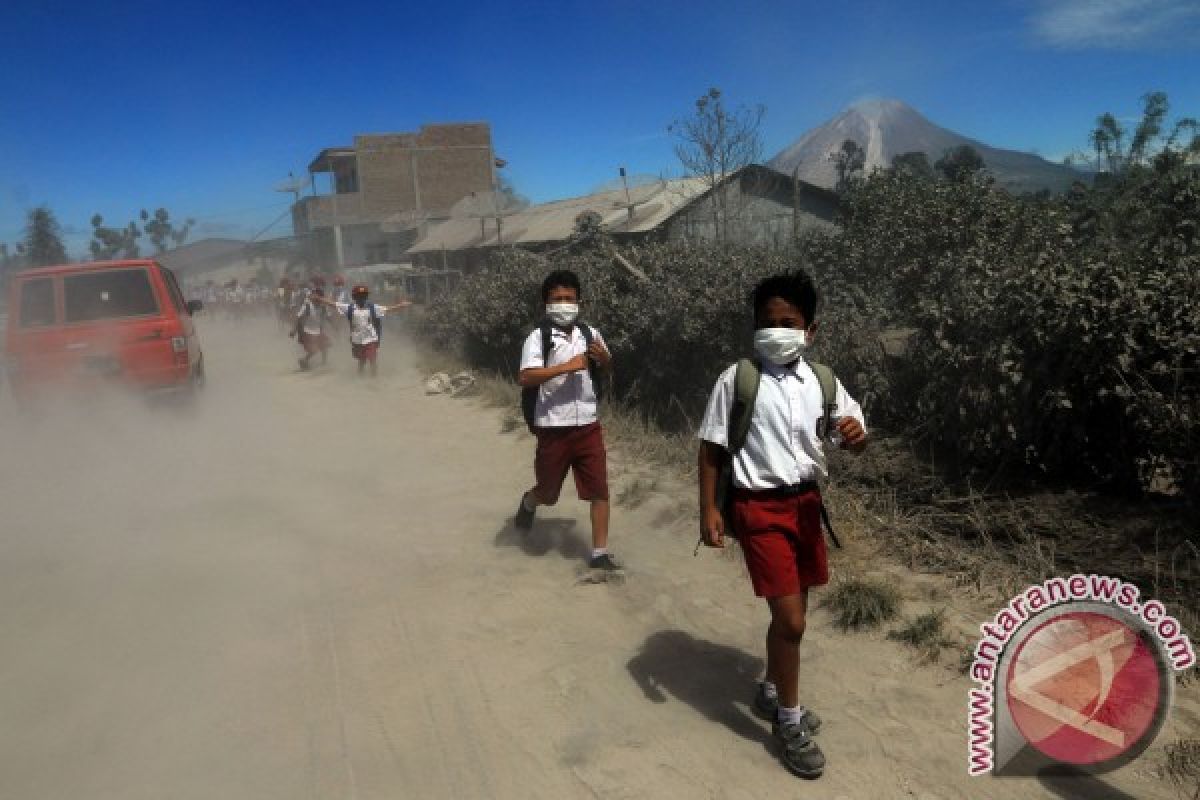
796	288
561	278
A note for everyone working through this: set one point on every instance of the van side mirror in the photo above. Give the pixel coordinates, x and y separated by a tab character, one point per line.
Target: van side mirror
194	305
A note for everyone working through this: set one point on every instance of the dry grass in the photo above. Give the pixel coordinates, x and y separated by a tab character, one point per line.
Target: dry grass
926	633
1181	766
636	492
859	604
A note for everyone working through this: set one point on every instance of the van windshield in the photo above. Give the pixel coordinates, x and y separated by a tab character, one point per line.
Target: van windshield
110	294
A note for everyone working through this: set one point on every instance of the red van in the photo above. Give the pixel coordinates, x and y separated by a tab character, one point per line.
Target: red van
79	324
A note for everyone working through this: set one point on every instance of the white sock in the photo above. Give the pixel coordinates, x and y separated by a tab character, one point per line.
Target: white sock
770	690
791	716
527	502
599	551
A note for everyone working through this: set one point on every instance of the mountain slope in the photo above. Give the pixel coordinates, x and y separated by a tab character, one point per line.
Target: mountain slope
888	128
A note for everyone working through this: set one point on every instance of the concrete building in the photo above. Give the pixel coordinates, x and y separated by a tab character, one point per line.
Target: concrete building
404	178
755	205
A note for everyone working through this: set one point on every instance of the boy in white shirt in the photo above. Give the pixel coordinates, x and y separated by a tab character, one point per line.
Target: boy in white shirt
365	320
310	328
560	402
776	505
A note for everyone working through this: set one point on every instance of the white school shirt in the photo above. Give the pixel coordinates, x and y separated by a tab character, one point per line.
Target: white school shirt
782	447
361	329
566	400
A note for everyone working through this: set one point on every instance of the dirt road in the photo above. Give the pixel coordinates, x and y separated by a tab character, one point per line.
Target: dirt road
307	588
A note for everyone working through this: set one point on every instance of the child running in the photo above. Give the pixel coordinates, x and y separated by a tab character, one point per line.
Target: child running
366	324
555	366
775	506
311	322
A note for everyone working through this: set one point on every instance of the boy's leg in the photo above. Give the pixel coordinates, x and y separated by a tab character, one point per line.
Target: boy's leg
600	513
589	463
551	461
788	617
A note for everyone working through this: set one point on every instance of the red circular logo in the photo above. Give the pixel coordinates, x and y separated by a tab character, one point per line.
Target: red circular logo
1085	688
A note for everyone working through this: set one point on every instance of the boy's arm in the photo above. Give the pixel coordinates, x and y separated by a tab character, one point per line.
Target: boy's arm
714	431
851	424
396	306
536	376
712	523
598	352
535	372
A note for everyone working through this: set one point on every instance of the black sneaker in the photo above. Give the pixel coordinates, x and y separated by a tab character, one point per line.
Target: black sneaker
604	562
524	517
799	752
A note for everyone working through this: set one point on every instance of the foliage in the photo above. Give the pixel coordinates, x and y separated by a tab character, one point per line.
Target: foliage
109	243
162	231
1054	338
916	163
959	163
1116	154
43	238
848	162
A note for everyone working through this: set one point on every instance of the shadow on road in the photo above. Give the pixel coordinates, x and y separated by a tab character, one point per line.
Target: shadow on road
547	535
1073	784
714	679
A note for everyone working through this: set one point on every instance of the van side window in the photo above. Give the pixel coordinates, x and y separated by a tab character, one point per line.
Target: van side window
109	294
37	303
173	290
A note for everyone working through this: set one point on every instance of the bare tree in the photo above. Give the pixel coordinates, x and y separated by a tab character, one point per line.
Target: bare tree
714	144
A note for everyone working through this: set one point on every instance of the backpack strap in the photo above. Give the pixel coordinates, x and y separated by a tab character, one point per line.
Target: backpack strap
529	394
547	331
589	337
828	384
746	378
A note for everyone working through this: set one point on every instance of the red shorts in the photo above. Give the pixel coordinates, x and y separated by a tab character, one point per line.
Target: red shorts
579	449
313	343
365	352
781	537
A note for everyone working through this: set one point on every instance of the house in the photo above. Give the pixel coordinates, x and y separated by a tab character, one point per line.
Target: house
755	205
391	176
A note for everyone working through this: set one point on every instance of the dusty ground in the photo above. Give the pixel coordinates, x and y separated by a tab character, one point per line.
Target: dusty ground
307	588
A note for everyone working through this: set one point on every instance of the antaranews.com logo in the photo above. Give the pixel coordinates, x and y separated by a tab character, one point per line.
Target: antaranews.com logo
1074	671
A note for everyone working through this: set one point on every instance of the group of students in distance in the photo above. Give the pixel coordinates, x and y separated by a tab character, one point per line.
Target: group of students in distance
313	321
771	503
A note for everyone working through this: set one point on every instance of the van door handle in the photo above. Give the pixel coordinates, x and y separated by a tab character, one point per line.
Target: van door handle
78	345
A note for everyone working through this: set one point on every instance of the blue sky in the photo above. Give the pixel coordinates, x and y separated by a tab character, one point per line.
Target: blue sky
203	107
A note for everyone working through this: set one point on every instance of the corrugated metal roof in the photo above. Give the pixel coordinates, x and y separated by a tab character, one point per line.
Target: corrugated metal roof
555	221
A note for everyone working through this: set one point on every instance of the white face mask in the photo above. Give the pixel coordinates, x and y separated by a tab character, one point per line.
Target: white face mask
780	345
562	314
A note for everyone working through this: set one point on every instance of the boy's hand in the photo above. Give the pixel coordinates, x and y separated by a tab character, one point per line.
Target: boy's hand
712	528
853	435
576	364
599	354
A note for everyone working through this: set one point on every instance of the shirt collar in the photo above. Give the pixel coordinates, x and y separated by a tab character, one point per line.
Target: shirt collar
776	371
